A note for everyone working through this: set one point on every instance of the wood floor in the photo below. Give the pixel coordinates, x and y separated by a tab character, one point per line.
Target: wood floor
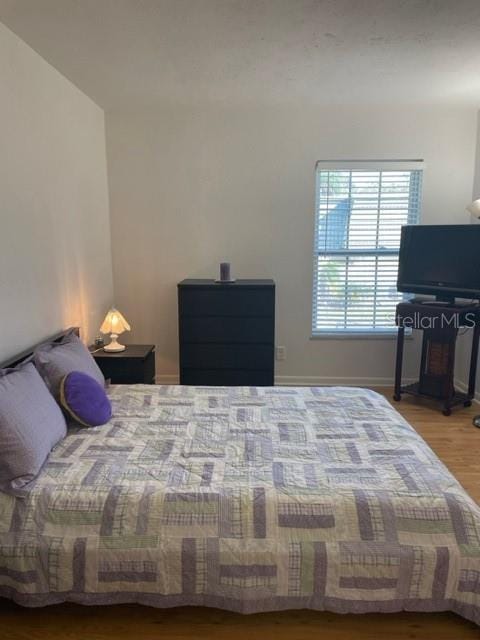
453	439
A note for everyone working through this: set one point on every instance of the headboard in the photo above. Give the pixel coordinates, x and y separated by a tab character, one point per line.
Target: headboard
17	359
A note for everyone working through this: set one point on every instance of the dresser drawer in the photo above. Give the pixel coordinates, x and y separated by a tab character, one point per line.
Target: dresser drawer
215	329
227	332
226	356
135	365
225	302
226	378
126	373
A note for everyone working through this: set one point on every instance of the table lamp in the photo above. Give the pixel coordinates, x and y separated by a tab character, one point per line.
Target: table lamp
114	324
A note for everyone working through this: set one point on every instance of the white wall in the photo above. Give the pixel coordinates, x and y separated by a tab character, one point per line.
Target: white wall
476	175
465	342
55	260
192	187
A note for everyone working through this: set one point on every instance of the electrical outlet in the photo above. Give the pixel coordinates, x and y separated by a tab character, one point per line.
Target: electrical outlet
281	353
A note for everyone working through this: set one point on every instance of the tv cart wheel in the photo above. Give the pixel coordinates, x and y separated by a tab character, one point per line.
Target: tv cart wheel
476	422
467	403
447	412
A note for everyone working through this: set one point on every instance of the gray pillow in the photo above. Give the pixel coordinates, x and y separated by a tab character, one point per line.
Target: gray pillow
54	360
31	424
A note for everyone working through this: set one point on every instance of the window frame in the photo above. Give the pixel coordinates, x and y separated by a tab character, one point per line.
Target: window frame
359	165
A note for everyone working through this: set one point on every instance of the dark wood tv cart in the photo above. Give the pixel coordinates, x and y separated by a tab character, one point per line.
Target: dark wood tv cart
440	323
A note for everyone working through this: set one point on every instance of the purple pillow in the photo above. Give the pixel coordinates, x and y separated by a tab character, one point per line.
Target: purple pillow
84	399
31	424
54	360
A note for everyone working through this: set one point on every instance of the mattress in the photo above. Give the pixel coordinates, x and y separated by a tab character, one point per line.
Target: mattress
248	499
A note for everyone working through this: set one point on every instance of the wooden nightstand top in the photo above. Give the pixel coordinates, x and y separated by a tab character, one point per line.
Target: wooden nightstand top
137	351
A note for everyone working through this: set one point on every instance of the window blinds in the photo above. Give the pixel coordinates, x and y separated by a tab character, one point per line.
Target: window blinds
360	209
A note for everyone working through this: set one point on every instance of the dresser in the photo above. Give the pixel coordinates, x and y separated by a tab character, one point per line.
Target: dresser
226	332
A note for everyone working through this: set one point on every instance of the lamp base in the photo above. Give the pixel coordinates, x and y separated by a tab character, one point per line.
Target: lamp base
114	345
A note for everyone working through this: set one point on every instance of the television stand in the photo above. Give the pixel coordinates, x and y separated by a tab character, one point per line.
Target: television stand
438	302
440	324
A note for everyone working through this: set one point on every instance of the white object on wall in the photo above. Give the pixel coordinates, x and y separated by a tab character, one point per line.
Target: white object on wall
474	210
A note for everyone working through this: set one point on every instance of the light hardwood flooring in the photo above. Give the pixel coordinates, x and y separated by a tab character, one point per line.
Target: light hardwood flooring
453	439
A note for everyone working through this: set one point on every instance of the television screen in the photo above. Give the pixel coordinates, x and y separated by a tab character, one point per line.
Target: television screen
441	260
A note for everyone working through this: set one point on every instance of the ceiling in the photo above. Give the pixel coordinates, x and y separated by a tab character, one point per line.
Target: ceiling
128	54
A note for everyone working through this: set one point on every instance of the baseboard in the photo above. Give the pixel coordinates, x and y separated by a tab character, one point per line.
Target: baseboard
167	378
325	381
307	381
329	381
462	386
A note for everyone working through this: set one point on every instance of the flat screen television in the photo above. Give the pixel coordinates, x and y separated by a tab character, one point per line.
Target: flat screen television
440	260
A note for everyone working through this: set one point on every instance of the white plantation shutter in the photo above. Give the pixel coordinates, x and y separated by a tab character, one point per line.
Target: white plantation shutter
360	209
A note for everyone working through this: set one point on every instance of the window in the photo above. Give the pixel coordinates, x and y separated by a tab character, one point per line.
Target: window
360	209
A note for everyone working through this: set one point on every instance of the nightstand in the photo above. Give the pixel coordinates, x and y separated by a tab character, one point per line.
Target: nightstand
135	365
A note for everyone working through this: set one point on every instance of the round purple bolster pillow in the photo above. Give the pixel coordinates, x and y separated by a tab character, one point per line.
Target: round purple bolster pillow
85	399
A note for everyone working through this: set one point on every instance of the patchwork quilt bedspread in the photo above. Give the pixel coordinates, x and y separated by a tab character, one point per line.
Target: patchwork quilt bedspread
249	499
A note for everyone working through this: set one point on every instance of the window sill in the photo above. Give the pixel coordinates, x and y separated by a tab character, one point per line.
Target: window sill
358	336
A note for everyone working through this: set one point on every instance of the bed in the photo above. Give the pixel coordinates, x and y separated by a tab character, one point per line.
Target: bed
248	499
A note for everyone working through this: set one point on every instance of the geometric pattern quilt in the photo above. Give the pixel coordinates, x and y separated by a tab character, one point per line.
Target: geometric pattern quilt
249	499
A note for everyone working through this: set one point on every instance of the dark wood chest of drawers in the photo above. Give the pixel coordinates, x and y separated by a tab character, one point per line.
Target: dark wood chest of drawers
227	332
